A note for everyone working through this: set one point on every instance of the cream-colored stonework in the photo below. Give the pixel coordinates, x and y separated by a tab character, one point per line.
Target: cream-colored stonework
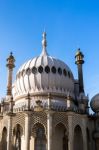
46	107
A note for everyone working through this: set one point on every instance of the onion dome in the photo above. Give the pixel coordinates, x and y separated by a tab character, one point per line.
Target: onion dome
95	103
43	74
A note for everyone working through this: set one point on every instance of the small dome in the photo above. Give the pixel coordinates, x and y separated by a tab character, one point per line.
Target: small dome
95	103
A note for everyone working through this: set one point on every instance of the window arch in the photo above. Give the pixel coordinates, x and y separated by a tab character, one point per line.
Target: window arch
78	138
4	138
40	137
61	136
17	132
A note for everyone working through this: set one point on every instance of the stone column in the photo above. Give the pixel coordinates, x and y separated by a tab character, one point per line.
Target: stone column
70	133
49	130
84	132
49	123
27	130
9	132
85	139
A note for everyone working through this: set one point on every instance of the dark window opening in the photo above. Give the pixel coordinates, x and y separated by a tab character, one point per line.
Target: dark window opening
47	69
68	74
40	140
53	69
28	71
60	71
40	69
23	72
34	70
64	72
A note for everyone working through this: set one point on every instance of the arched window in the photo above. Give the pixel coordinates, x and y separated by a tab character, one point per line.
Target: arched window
78	138
65	141
17	137
61	137
4	139
40	139
18	140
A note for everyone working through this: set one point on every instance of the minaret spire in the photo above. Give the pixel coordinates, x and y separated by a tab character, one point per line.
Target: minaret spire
79	61
10	65
44	44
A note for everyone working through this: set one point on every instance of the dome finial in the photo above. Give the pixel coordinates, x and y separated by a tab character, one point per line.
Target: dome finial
44	44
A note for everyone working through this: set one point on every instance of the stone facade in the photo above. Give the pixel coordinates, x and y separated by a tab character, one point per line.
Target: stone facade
70	125
52	113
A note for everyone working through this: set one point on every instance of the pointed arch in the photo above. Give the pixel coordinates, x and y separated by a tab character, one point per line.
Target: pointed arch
35	126
61	136
40	137
4	139
17	134
78	138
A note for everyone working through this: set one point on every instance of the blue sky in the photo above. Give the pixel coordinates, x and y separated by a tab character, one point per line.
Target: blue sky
69	24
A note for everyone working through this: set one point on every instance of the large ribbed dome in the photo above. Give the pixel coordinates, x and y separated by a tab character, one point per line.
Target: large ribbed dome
43	74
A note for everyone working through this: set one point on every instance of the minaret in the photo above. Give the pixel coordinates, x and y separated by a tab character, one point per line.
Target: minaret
10	65
79	61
